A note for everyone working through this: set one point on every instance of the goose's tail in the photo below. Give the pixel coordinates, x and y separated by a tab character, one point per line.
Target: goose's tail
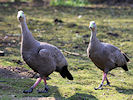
126	57
125	67
65	73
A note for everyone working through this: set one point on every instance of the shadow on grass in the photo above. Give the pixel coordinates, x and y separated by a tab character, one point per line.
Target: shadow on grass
55	93
80	96
17	85
124	90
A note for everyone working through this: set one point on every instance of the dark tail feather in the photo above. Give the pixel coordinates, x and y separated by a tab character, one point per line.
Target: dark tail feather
65	73
125	67
127	59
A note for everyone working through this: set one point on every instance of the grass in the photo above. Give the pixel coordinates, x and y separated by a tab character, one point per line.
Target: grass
69	2
70	36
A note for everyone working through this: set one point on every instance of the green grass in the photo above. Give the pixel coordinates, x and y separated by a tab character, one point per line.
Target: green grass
69	2
68	36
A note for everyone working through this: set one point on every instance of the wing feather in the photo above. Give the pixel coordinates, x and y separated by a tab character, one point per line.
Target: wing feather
115	55
44	53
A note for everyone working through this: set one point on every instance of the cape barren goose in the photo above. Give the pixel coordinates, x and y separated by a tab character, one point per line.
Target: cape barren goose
105	56
42	57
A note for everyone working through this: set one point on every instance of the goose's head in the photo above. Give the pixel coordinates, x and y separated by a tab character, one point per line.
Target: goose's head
92	26
21	16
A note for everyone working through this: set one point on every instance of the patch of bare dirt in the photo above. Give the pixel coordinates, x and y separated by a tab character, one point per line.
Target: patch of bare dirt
38	98
17	72
113	34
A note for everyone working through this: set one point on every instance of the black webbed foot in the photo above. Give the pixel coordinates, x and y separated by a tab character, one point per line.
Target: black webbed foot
43	91
108	83
28	91
99	88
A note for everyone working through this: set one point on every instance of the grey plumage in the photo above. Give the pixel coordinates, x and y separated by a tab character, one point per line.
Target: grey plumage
42	57
105	56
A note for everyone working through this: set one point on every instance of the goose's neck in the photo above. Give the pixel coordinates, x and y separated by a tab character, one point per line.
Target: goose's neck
25	31
93	37
28	40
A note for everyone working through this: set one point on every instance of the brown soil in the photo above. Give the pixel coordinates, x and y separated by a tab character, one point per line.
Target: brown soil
38	98
16	72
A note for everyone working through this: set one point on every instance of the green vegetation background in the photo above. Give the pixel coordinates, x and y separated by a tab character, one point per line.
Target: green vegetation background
115	26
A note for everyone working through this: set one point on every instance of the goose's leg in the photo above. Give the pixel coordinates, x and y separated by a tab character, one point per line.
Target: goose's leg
100	86
35	84
46	87
108	83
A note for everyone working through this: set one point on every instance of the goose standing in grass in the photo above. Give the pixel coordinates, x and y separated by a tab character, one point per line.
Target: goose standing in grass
105	56
42	57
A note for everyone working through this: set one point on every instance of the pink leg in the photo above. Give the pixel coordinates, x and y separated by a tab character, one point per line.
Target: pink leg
46	87
37	82
45	83
108	83
104	77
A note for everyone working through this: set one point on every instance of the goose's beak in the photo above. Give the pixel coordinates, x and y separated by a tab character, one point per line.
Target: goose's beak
19	17
91	26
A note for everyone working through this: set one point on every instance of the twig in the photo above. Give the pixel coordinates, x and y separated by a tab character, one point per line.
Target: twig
74	53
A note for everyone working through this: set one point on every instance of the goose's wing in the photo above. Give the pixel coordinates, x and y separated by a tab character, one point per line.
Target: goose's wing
44	53
114	54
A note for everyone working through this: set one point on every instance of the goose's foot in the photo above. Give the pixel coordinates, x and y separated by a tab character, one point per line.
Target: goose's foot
28	91
108	83
99	88
43	91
